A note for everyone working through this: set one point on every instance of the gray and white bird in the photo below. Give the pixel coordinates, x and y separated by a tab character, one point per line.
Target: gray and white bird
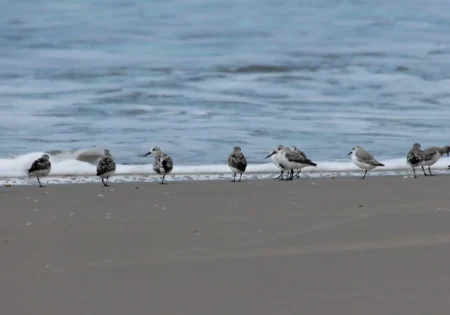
415	157
237	162
303	155
274	157
162	163
292	160
40	168
106	167
432	155
363	159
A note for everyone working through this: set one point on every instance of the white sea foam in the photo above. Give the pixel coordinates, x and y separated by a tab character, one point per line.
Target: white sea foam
67	168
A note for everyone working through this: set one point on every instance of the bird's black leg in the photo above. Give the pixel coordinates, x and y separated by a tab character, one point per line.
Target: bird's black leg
162	182
240	177
298	173
234	177
364	175
429	170
39	182
424	173
281	175
414	173
103	182
291	175
106	182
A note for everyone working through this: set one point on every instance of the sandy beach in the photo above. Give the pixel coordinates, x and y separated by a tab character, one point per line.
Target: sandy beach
322	246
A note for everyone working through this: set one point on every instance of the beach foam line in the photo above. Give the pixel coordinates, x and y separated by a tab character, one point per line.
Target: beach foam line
73	164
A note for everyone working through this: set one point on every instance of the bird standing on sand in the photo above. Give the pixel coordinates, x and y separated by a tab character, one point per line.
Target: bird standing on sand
364	159
162	163
274	157
292	160
40	168
303	156
106	167
237	162
432	155
415	157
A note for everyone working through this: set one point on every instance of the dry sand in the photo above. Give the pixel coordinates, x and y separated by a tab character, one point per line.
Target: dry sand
343	246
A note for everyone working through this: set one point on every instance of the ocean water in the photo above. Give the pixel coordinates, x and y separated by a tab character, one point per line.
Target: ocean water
199	77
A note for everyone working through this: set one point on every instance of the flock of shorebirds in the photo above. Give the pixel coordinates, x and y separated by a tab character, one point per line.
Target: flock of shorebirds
106	167
287	159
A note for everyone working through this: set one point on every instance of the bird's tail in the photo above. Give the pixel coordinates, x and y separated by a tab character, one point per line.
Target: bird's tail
378	164
309	162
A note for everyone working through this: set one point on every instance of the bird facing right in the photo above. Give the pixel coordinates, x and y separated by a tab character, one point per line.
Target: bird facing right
363	159
415	157
106	167
237	162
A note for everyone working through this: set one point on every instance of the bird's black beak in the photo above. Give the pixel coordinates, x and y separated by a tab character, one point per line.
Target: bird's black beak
349	153
148	153
273	152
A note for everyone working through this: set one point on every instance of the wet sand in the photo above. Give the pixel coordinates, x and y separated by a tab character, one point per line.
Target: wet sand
322	246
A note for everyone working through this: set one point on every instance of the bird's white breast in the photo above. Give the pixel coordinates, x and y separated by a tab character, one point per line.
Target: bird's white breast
364	166
275	161
283	160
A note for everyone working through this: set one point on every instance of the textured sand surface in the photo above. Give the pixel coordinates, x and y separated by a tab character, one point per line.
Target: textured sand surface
343	246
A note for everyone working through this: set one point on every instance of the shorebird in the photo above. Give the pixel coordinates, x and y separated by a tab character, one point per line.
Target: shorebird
415	157
40	168
106	167
274	157
162	163
432	155
291	160
364	159
237	162
303	155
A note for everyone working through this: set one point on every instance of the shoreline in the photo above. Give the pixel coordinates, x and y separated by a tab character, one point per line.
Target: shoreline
219	176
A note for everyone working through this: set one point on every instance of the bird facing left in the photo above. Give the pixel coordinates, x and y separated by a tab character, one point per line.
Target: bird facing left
162	163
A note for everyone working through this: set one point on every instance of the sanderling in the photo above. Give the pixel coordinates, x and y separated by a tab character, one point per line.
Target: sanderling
415	157
237	162
303	155
274	157
432	155
162	163
293	160
364	159
106	167
40	168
